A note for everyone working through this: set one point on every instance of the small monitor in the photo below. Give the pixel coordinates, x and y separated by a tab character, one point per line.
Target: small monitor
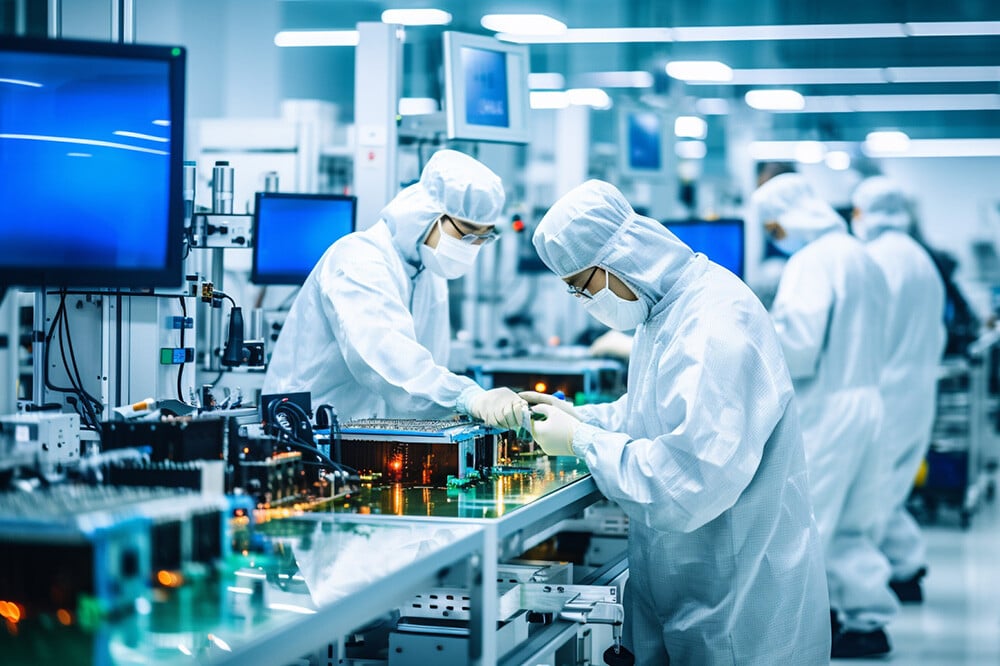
91	160
486	89
292	231
642	144
721	241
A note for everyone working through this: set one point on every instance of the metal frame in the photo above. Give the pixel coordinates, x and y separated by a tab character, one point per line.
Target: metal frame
288	643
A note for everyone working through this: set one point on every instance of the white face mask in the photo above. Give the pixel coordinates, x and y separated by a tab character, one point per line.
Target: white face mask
452	258
614	311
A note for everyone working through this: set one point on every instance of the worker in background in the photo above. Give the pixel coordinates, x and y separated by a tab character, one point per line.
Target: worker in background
915	340
829	313
368	333
703	452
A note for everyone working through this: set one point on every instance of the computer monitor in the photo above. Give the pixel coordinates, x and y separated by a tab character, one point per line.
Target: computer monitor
91	160
292	231
721	241
486	88
643	148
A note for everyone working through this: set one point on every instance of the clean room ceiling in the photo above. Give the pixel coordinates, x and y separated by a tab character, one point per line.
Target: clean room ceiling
961	103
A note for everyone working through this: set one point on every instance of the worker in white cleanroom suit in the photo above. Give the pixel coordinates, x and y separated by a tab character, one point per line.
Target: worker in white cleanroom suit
915	340
368	333
830	316
704	451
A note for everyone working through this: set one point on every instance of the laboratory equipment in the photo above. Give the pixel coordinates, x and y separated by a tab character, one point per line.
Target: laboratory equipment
486	88
581	380
92	197
292	232
722	241
426	452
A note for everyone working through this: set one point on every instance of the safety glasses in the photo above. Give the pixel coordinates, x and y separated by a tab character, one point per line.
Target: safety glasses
580	292
472	239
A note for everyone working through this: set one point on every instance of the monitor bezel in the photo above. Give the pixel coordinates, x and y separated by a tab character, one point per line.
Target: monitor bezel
290	279
517	58
171	272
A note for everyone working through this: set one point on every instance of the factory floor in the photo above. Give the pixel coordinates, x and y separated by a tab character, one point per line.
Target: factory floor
959	622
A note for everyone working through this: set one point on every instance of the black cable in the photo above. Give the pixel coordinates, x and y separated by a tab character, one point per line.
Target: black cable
72	354
180	370
45	359
75	380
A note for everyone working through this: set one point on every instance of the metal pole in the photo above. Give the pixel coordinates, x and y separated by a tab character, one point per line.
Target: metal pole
20	17
38	329
123	21
55	19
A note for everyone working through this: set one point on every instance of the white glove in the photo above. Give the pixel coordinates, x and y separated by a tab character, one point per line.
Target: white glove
613	343
535	398
554	432
499	407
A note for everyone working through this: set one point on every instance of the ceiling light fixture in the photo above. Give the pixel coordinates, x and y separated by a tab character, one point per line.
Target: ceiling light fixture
690	127
885	142
809	152
592	97
524	24
699	70
775	100
416	17
548	99
638	79
317	38
546	81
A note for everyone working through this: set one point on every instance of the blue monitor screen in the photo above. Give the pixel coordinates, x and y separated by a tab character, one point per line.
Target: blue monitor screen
292	231
485	75
644	143
719	240
90	156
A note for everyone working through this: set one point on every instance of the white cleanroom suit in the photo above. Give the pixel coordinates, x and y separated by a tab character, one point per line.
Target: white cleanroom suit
368	333
830	316
915	340
703	452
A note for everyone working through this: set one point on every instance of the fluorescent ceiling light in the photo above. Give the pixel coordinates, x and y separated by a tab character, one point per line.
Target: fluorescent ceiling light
590	36
885	142
952	28
775	100
416	17
712	106
690	150
546	81
548	99
699	70
317	38
639	79
524	24
838	160
750	33
809	152
894	103
162	123
950	148
861	75
82	142
78	155
21	82
417	106
690	127
592	97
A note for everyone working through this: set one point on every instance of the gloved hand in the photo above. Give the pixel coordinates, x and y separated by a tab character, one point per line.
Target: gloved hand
535	398
613	343
553	429
499	407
